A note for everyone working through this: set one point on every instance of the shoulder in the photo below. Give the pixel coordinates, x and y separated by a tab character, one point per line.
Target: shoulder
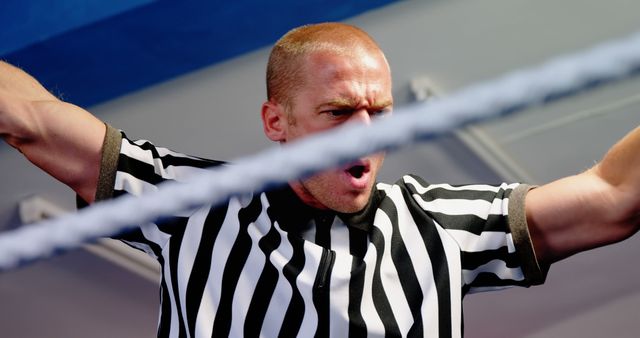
134	166
417	186
147	151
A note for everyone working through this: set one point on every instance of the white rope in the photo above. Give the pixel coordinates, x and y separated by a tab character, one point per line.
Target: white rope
560	77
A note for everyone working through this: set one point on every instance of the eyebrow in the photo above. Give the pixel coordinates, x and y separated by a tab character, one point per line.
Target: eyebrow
340	102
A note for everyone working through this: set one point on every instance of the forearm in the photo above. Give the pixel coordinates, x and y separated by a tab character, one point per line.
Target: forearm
18	90
62	139
591	209
66	144
621	165
16	82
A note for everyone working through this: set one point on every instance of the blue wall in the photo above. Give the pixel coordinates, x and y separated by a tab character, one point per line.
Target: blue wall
87	52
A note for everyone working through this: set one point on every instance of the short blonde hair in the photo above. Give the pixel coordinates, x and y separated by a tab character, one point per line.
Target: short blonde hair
285	66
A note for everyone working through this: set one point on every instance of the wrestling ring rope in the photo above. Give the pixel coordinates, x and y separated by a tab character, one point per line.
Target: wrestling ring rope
555	79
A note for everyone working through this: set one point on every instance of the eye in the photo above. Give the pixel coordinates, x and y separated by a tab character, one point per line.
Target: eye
339	112
380	112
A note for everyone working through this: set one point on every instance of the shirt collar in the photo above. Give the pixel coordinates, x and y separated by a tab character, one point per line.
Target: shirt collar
294	215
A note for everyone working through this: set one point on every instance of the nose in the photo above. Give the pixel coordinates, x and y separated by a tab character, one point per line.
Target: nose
361	116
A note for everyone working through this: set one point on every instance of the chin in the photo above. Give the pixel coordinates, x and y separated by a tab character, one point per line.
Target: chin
352	205
335	191
346	209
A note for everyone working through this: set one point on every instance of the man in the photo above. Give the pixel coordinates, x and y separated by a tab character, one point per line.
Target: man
335	254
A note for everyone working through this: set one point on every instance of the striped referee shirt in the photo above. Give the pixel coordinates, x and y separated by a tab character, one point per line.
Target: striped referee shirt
268	265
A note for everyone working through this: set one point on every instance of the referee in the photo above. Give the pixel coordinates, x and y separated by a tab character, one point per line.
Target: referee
338	253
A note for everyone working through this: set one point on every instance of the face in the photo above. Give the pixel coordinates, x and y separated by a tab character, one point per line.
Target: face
339	89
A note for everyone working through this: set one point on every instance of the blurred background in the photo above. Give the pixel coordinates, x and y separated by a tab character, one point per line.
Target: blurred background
189	75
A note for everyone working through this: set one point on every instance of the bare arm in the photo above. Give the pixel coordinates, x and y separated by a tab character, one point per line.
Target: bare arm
62	139
591	209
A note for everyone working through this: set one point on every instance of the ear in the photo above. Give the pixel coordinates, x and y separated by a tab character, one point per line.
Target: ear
274	121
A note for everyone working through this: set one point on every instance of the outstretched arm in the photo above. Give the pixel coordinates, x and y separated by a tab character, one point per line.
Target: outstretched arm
62	139
591	209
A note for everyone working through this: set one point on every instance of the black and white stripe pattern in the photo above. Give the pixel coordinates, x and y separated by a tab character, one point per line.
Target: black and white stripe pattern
268	265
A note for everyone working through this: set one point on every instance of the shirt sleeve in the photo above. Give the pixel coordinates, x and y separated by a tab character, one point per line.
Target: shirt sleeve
533	271
108	163
488	225
138	166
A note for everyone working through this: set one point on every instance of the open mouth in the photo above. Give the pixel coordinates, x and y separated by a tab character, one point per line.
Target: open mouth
357	170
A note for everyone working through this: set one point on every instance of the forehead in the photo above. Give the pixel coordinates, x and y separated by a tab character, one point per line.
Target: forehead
357	72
